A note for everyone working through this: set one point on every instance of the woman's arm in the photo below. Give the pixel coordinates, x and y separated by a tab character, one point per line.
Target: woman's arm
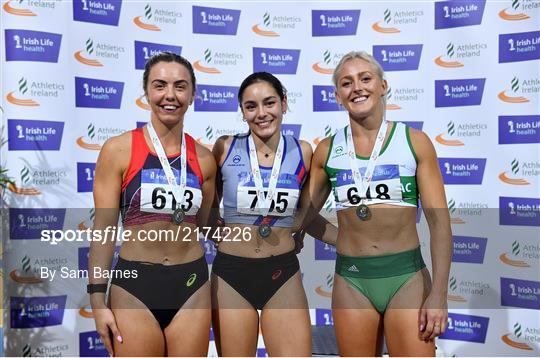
207	211
428	175
111	164
314	194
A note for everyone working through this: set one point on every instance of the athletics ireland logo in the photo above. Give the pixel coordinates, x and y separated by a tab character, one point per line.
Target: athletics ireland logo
325	289
145	21
23	91
507	178
264	29
448	60
383	26
24	189
513	12
515	338
16	10
450	131
324	67
85	56
513	96
198	65
512	258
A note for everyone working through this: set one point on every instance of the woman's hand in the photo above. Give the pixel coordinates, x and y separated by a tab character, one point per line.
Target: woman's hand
433	316
106	328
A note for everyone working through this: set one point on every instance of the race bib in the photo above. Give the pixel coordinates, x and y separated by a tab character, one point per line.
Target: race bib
283	204
157	195
384	187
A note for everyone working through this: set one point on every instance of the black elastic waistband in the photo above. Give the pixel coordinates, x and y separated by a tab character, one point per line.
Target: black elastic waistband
269	259
154	266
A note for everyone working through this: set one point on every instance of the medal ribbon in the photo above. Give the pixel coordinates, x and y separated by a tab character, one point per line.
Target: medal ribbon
362	183
177	190
263	202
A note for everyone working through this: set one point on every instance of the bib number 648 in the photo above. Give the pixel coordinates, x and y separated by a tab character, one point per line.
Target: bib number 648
380	189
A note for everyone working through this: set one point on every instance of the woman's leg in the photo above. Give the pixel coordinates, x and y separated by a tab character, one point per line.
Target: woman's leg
401	320
357	323
234	320
141	333
188	334
285	322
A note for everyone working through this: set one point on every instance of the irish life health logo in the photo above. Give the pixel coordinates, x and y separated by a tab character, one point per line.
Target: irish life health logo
275	60
519	171
35	46
334	22
517	90
468	249
519	129
24	134
398	57
324	251
27	224
91	345
458	13
145	50
466	328
516	10
324	99
94	93
520	293
211	98
520	337
211	20
522	46
85	177
32	312
105	12
457	93
464	171
519	211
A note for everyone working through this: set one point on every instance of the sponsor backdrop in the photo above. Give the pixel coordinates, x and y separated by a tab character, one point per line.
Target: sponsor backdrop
466	72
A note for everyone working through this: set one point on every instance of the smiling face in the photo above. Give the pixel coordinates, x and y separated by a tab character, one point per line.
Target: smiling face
169	91
359	89
263	109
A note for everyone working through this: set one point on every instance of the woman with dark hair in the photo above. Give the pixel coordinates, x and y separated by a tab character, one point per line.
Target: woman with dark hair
260	180
377	171
162	182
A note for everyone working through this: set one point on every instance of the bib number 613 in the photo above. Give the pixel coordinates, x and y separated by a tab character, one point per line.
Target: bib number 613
160	196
